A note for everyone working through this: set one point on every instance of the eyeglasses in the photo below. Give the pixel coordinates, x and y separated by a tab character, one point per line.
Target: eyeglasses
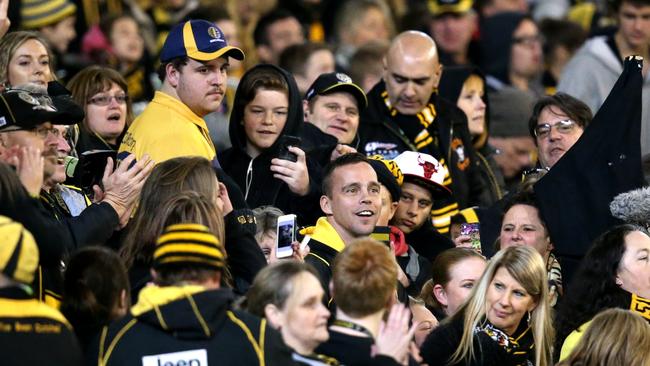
43	132
564	127
529	41
105	100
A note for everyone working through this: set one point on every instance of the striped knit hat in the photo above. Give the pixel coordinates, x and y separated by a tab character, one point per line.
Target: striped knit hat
18	251
36	14
190	245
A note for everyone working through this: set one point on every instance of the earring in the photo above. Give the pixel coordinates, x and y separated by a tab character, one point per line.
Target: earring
528	318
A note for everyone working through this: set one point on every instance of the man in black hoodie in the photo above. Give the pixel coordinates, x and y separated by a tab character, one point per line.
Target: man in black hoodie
404	114
186	318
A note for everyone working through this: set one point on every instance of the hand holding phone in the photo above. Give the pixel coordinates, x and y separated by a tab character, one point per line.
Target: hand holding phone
473	231
284	143
285	236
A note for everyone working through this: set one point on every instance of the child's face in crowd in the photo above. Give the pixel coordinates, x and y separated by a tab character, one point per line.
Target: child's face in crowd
266	241
264	119
61	34
126	40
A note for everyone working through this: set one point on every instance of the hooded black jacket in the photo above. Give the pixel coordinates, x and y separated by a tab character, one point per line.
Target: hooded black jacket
451	85
170	320
381	133
264	189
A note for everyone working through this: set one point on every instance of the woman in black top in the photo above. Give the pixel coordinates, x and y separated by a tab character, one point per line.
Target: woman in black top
506	320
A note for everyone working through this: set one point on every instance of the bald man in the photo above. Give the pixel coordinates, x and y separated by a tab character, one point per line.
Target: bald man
404	114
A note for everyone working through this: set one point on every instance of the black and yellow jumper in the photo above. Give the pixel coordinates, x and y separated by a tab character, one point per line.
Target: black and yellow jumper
32	333
190	324
324	245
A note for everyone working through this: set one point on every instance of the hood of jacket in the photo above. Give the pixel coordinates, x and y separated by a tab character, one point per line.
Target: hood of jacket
292	127
597	49
496	43
450	86
190	312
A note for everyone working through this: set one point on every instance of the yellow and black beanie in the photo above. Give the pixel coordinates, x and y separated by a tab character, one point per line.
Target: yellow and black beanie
18	251
36	14
188	244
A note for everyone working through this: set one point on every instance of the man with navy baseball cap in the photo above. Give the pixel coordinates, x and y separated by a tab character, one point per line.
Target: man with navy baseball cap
193	70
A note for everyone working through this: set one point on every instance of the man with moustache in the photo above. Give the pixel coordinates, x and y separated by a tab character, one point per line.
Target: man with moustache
193	70
351	202
404	113
26	118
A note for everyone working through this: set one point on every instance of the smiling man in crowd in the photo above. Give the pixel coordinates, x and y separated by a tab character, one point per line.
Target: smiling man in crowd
351	202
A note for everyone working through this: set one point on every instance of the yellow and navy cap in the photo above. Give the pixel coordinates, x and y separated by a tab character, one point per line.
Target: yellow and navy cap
439	7
188	244
332	82
18	251
199	40
36	14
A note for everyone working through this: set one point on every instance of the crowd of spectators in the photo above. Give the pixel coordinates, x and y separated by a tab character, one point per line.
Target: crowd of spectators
322	182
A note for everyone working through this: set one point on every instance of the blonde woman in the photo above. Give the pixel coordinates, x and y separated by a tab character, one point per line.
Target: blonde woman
25	59
505	321
613	337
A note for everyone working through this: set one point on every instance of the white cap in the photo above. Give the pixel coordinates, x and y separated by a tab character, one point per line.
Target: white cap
425	168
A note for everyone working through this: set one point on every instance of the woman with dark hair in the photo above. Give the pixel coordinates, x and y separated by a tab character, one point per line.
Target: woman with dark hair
267	109
95	291
522	224
505	321
615	273
103	93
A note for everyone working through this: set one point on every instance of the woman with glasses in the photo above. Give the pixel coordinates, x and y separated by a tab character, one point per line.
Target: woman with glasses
505	321
103	93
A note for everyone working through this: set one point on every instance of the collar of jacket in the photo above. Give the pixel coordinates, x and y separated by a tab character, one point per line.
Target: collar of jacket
152	297
168	101
190	312
325	233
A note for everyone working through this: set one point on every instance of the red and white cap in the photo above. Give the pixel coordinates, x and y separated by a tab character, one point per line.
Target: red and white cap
425	168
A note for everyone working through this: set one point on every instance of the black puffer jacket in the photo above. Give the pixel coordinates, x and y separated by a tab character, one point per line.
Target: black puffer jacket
263	188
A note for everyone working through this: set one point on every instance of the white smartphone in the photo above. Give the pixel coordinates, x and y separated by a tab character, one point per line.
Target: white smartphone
285	234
